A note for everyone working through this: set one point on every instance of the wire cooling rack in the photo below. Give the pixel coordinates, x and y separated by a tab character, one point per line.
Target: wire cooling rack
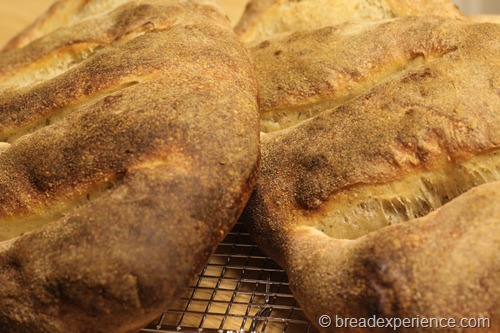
240	290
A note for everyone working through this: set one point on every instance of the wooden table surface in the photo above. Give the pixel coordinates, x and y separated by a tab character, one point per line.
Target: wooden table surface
15	15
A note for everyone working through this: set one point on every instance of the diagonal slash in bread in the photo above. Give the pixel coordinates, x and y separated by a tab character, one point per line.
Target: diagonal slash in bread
372	133
130	145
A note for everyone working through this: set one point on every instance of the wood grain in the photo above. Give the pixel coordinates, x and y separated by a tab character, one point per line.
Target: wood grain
15	15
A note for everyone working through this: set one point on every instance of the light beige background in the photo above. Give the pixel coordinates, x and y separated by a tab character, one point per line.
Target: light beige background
474	7
17	14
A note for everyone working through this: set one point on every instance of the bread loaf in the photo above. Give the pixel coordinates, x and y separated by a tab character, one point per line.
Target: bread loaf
129	148
370	129
264	18
440	266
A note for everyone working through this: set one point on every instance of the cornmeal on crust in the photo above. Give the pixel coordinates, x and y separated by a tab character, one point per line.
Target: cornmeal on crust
442	265
304	73
371	128
264	18
129	147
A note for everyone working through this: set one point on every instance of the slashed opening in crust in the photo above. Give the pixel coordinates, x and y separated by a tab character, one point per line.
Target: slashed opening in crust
424	84
361	209
306	73
279	119
14	227
12	135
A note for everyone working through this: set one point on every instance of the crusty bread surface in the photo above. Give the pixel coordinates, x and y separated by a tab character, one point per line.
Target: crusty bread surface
265	18
129	148
441	266
369	131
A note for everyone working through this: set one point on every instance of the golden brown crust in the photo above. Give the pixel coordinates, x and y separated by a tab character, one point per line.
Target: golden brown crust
264	18
401	147
71	44
443	265
56	16
148	158
428	118
313	70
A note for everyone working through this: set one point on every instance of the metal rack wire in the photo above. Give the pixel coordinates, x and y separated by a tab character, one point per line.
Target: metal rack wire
239	290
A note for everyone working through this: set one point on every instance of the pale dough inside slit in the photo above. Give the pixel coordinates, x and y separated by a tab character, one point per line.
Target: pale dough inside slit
361	209
48	67
70	13
60	61
55	210
4	146
288	16
11	135
14	227
278	119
